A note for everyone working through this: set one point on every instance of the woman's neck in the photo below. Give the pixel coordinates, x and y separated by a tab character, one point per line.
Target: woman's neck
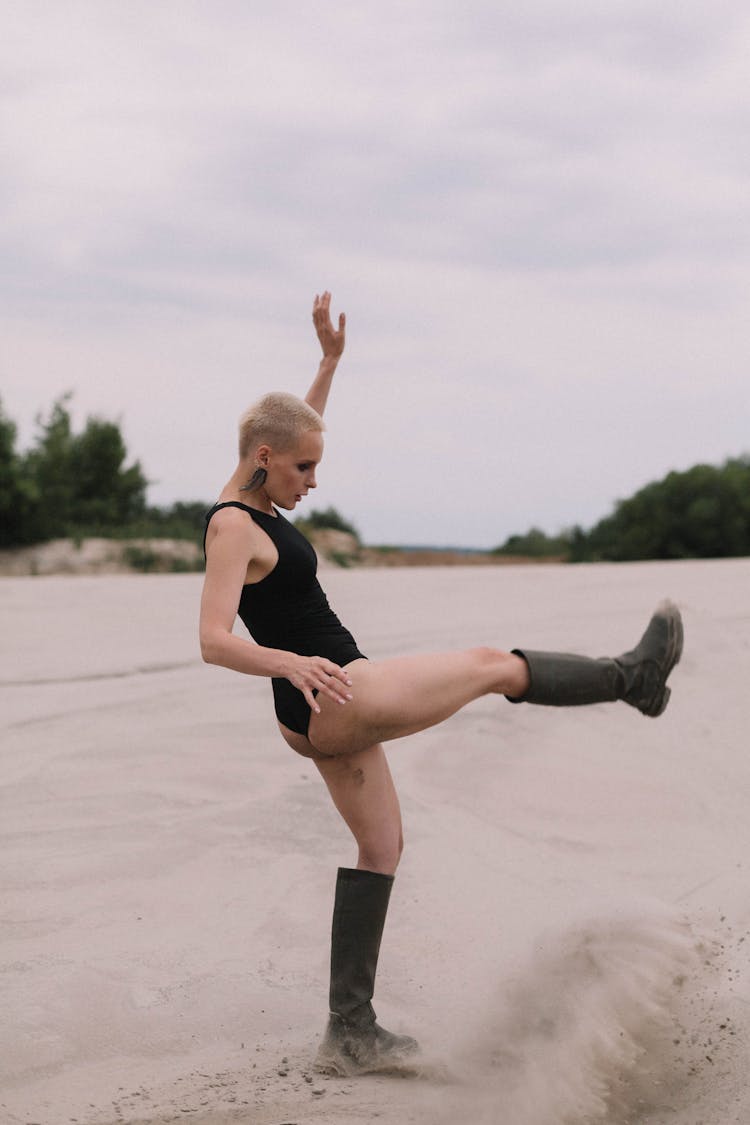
234	489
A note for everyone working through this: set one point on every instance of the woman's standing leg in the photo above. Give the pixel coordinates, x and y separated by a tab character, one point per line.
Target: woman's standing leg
363	792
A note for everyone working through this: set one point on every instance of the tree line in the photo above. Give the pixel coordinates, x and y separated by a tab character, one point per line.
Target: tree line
702	512
74	485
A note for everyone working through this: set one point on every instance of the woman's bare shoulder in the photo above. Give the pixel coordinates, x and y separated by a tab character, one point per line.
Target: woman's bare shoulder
233	526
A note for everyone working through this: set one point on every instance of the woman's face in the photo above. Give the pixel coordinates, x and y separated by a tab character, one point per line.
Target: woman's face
292	474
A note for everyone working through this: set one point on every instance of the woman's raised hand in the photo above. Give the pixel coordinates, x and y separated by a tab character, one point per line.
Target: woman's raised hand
331	340
315	673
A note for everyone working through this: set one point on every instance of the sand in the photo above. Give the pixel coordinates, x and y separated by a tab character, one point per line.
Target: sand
569	932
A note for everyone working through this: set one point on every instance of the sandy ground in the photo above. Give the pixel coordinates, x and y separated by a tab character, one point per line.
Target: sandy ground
569	930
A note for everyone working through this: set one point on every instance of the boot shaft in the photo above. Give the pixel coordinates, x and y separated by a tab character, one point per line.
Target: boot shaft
562	679
359	913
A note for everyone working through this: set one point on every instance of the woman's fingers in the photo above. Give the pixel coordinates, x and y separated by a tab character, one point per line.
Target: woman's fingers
335	683
321	306
332	340
310	699
326	678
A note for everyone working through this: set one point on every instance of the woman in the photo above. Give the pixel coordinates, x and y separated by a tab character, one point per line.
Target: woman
336	707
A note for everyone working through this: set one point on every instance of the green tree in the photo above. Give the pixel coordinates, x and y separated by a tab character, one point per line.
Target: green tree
47	470
106	494
13	495
703	512
77	484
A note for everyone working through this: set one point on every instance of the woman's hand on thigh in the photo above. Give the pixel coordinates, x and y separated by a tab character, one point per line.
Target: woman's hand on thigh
315	673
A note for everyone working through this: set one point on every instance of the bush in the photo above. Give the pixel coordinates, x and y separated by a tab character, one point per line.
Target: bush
329	518
536	545
703	512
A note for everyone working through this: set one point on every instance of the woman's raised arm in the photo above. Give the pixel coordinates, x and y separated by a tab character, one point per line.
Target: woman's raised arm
332	343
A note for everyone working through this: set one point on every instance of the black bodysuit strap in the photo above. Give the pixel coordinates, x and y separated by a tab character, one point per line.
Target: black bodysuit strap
235	504
252	512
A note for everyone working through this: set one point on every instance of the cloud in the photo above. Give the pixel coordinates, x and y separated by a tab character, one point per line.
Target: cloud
534	216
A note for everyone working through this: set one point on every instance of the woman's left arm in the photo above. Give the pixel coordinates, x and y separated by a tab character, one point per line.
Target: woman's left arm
332	343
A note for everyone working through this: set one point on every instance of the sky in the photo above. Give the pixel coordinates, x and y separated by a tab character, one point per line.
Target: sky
535	217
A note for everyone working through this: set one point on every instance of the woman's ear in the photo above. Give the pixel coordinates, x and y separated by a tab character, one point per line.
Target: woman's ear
262	454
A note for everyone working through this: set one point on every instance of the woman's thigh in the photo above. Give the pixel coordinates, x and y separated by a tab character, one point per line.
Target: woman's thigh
406	694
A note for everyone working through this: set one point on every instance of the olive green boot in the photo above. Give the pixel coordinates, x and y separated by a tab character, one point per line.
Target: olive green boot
354	1043
638	677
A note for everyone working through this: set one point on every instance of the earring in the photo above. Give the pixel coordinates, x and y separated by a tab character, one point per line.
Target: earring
257	480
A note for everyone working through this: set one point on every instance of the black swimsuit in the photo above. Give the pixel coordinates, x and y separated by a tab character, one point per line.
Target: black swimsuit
288	610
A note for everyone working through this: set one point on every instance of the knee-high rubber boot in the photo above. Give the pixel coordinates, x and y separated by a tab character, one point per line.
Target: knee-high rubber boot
354	1043
638	677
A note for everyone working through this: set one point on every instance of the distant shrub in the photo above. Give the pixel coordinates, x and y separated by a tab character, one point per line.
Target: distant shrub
149	560
340	558
142	558
328	519
536	544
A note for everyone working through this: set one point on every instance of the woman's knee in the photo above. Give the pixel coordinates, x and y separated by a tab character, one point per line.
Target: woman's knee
485	656
382	854
493	666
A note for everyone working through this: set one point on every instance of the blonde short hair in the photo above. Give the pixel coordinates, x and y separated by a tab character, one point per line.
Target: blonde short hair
277	419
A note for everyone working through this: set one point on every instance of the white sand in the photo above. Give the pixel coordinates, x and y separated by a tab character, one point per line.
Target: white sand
168	865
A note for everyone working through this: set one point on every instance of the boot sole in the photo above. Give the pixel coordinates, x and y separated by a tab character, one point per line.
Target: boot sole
675	642
348	1068
403	1062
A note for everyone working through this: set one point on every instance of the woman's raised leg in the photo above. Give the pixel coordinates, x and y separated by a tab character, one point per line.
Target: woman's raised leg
393	698
401	696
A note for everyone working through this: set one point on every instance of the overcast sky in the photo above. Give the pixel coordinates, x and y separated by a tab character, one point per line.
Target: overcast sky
534	215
